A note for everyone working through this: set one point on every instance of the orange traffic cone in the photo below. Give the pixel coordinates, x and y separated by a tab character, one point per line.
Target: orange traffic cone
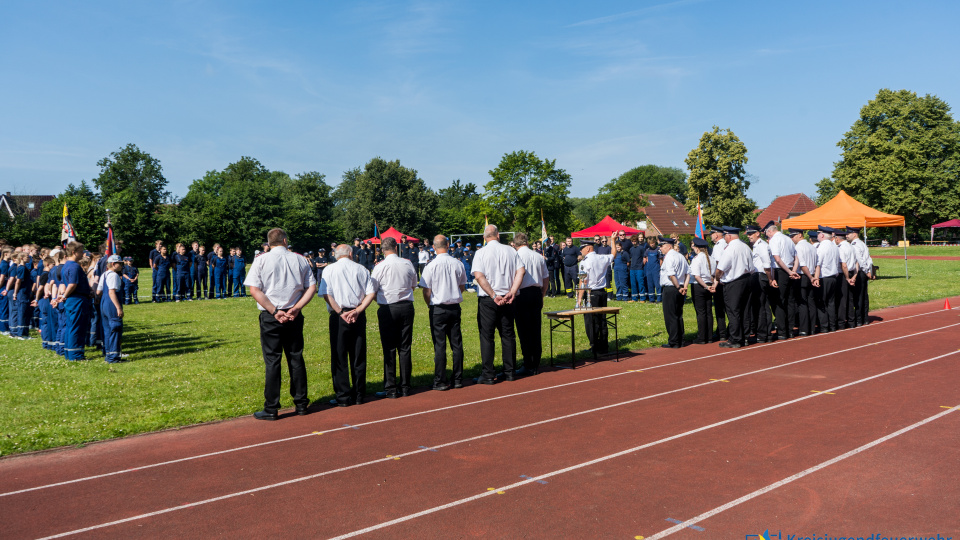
946	304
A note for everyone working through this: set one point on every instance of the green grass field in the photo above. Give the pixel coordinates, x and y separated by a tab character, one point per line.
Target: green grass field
200	361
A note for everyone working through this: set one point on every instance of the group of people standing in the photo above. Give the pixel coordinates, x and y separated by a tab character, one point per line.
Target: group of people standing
512	282
73	297
794	284
194	273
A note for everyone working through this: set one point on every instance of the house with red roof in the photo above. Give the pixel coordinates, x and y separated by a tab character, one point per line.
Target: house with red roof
666	215
29	205
786	207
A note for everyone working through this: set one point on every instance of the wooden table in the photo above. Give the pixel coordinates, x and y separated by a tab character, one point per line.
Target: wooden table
566	319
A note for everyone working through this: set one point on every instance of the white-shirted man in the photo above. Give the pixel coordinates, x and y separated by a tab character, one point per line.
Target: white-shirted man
394	280
528	305
498	271
595	266
828	257
806	267
734	270
762	285
443	282
282	284
850	270
674	279
719	310
865	273
348	290
784	255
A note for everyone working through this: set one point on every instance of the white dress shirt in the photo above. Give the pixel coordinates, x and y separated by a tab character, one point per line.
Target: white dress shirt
703	265
863	255
781	246
394	279
347	282
282	275
762	260
535	267
807	256
596	266
718	248
498	264
828	255
737	260
444	276
423	257
673	265
848	256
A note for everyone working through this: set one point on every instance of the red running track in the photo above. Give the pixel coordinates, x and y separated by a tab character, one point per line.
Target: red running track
849	433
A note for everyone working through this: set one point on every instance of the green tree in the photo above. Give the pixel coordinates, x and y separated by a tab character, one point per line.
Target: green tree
622	198
132	186
309	216
585	212
902	156
458	208
718	179
389	194
826	190
522	186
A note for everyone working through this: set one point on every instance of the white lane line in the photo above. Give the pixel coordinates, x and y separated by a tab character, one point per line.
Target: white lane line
799	475
500	432
618	454
421	413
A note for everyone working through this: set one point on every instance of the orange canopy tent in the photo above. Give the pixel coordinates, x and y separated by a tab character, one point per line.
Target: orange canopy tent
606	227
845	211
391	233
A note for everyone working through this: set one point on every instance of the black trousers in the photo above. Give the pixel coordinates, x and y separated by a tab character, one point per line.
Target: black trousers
200	282
396	337
556	281
863	298
527	309
830	288
735	296
596	325
720	312
348	351
802	298
569	279
846	307
703	306
760	314
444	326
673	314
492	319
276	340
785	305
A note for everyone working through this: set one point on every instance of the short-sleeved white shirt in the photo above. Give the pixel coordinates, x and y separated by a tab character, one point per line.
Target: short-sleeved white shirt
394	279
828	255
781	246
703	265
673	265
863	255
807	255
282	275
498	264
595	266
718	248
347	282
847	255
535	267
737	260
444	276
761	257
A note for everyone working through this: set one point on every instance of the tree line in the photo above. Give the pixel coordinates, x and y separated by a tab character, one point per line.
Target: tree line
900	156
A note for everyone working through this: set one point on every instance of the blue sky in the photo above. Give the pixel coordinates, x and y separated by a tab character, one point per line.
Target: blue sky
449	87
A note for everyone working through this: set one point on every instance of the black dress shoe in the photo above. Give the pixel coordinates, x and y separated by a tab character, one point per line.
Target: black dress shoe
302	410
666	346
264	415
359	400
724	344
486	381
441	387
405	393
698	342
336	403
458	384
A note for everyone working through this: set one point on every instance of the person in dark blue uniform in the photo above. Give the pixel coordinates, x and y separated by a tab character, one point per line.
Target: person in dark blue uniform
466	257
4	299
238	273
111	309
162	266
651	270
131	281
153	269
219	274
638	282
200	264
192	253
570	256
42	305
181	283
233	253
76	300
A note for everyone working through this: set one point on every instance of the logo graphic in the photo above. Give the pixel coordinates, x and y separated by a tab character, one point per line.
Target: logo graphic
766	535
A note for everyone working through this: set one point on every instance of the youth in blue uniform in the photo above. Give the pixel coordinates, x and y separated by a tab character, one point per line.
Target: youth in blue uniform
153	270
229	292
220	274
162	265
37	263
621	272
111	309
638	283
200	273
47	332
131	282
76	300
23	296
238	273
8	291
651	271
57	307
466	257
193	253
181	283
4	276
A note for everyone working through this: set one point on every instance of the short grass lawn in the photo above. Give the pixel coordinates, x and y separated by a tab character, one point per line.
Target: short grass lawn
200	361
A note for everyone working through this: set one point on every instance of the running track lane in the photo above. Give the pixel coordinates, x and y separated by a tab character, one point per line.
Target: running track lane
757	349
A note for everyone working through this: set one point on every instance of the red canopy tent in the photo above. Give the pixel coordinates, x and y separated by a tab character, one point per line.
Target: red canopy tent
606	227
952	224
392	233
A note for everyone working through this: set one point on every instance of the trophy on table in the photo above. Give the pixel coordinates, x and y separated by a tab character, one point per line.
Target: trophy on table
583	292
